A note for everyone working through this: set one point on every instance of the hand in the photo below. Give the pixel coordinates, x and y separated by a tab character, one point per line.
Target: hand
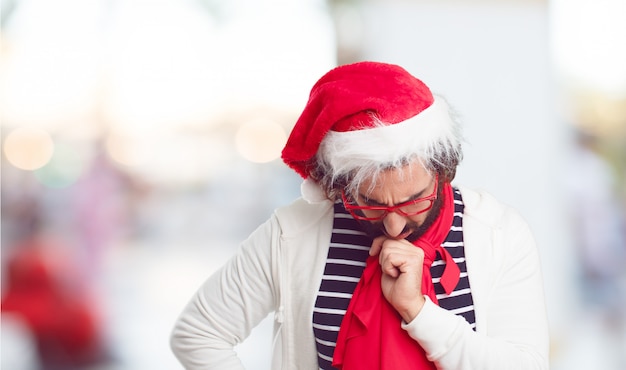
401	263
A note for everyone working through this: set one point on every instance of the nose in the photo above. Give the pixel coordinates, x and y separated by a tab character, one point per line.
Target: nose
394	224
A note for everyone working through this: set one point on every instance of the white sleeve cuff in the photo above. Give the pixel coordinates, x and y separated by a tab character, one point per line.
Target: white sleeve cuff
435	329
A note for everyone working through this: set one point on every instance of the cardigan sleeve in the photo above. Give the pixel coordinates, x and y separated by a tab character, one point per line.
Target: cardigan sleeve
228	305
514	332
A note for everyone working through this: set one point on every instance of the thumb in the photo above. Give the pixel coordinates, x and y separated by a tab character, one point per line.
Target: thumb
377	245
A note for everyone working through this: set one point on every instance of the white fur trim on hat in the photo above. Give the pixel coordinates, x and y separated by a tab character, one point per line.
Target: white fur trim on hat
421	135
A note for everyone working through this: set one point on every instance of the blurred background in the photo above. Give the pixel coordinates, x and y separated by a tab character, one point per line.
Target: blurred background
140	144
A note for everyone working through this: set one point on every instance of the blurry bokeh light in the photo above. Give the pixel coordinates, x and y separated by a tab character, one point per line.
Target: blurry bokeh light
169	160
260	140
28	148
64	168
129	150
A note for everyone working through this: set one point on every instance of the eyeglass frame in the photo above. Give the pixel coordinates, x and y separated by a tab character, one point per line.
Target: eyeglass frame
390	209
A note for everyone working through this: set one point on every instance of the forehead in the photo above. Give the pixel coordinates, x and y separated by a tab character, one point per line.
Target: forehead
398	182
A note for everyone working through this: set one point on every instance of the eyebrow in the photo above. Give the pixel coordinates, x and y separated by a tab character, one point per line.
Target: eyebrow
375	203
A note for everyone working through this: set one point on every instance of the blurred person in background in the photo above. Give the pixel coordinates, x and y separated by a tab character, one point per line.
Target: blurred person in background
45	295
599	224
382	263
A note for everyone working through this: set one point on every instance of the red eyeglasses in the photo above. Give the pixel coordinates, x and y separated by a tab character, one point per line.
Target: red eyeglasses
375	213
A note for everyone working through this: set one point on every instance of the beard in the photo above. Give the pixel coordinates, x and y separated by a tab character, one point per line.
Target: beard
376	229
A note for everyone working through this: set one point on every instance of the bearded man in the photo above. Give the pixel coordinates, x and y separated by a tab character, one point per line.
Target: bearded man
382	263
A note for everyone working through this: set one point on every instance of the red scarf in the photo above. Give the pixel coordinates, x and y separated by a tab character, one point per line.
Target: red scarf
370	335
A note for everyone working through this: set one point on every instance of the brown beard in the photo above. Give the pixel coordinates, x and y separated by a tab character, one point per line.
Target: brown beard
376	229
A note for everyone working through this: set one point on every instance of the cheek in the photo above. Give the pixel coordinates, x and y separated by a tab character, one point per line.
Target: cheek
418	219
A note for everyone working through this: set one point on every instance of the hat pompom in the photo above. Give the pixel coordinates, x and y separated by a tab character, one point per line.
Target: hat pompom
312	192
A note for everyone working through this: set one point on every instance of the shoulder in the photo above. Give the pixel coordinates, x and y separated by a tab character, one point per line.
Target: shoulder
484	208
301	216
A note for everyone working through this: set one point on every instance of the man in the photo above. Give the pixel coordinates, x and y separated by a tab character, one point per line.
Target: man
382	264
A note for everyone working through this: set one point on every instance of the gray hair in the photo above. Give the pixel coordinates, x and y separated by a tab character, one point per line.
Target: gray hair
370	152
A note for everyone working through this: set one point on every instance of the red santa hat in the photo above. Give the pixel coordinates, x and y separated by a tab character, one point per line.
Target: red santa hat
365	113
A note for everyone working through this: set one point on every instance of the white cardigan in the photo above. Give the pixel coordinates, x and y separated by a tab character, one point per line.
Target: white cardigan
279	269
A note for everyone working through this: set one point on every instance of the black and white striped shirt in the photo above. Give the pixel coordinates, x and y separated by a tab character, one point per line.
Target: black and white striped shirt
348	251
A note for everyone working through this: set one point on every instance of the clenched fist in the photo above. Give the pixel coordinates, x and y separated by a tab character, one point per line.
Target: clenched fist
402	264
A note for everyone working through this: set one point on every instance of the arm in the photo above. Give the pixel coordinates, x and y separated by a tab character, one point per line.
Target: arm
228	306
513	333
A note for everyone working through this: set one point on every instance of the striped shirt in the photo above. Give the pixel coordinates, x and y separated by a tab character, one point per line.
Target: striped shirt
348	251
